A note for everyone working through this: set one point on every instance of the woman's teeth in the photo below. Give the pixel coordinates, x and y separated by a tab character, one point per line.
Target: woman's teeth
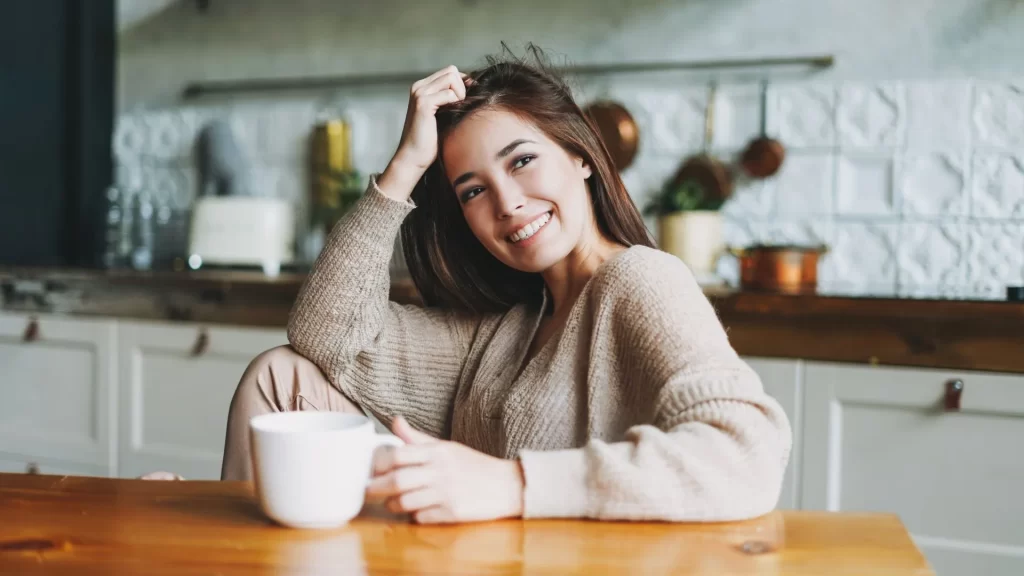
530	229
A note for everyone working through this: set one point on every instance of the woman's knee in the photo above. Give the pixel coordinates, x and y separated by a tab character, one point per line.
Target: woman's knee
262	375
281	379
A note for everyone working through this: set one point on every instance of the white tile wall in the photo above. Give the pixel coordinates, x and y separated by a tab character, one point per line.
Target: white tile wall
917	187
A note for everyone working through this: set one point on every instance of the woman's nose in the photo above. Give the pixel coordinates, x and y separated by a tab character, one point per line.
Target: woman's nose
510	200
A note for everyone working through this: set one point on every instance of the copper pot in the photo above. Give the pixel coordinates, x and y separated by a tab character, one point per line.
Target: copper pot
785	269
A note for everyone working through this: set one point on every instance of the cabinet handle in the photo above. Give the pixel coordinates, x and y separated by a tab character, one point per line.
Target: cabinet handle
954	390
33	468
202	343
31	331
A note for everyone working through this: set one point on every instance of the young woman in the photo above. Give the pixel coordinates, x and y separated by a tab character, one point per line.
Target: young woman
562	368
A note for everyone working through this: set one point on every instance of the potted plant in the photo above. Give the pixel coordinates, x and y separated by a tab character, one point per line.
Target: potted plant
338	191
690	224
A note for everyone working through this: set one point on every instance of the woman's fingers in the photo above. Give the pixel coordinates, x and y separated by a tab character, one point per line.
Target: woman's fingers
400	427
400	481
429	79
438	99
390	458
432	515
451	81
414	500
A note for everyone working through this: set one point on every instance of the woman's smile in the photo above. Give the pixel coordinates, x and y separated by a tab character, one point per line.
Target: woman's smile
525	234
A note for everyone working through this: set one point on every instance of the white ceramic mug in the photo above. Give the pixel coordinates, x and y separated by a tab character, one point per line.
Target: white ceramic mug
312	468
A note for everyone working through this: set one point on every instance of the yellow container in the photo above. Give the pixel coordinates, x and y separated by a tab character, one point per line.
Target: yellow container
331	155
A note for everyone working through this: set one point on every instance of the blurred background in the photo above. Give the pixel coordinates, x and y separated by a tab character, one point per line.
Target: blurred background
845	178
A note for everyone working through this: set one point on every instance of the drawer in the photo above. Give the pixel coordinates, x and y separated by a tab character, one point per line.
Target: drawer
882	439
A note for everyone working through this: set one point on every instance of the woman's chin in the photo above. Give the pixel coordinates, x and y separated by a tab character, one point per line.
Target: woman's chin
534	259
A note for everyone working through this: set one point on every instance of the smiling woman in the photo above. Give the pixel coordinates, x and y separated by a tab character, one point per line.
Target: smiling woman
516	149
562	366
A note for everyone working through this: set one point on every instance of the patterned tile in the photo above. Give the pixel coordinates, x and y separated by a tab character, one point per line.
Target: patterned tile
244	121
995	257
865	185
862	259
285	129
803	116
670	121
646	176
737	117
934	185
804	184
170	185
997	185
736	233
128	174
999	115
170	134
129	138
803	232
751	199
871	115
938	116
376	126
931	254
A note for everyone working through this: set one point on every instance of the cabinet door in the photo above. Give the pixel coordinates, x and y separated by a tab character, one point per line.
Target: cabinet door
879	439
177	384
17	464
781	379
57	389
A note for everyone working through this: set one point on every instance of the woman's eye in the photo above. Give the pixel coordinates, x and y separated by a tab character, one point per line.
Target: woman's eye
469	194
523	161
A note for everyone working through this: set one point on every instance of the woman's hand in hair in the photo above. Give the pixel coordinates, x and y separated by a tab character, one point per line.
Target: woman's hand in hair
418	146
444	482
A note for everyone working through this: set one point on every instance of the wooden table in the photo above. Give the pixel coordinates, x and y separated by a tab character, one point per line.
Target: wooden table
71	525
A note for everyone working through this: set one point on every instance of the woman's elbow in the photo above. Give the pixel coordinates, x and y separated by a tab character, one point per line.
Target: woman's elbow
767	452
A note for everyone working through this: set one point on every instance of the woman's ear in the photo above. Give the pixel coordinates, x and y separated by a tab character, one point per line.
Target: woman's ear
587	172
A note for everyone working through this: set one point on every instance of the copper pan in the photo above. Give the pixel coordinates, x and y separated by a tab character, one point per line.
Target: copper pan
618	130
714	176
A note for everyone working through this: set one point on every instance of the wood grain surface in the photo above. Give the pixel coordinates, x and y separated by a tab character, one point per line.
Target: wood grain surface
87	526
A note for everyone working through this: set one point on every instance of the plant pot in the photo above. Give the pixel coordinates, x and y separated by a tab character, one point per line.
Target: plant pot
694	237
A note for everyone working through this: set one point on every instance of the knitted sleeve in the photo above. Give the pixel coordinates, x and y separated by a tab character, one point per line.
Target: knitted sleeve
388	358
711	444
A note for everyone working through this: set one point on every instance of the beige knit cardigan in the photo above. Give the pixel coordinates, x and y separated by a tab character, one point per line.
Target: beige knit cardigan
639	408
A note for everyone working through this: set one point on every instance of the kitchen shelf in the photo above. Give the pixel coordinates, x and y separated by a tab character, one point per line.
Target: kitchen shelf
251	85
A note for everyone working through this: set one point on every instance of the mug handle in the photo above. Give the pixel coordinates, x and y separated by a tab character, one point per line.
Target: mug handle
384	440
387	440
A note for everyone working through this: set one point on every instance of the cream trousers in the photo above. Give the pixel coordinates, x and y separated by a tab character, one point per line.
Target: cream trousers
279	380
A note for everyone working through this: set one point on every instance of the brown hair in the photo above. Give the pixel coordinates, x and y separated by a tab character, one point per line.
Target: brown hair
449	266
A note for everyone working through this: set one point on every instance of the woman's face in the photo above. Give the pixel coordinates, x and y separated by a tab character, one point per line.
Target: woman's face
524	197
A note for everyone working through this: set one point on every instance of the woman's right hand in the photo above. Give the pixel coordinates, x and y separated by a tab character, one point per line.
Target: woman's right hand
418	146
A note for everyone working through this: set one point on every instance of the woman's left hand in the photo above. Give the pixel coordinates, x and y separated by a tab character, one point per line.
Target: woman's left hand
439	482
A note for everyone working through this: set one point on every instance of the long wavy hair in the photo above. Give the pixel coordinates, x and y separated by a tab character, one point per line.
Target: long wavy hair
448	265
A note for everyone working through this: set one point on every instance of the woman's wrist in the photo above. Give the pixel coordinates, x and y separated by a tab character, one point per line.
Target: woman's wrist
398	179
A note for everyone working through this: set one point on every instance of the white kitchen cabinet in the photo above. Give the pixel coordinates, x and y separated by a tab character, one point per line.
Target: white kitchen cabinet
879	439
18	464
176	386
57	390
781	380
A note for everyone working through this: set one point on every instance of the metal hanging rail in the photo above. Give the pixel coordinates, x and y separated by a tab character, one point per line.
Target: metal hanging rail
214	87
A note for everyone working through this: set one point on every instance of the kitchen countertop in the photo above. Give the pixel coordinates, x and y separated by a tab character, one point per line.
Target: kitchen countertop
959	334
72	525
